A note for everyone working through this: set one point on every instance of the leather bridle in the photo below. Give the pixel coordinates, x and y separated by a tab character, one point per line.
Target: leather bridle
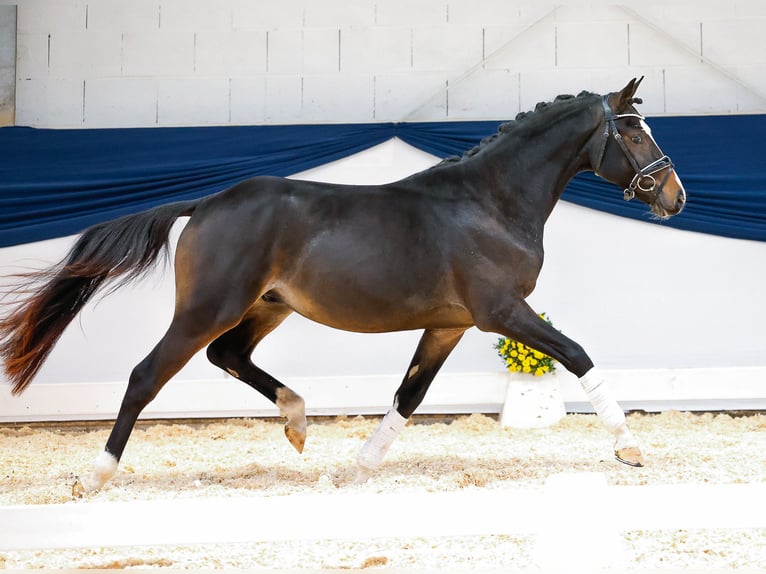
644	179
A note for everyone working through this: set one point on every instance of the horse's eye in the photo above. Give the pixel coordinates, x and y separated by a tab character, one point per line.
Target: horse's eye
636	139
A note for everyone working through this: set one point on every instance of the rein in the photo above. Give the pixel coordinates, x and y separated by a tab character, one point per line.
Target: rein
644	178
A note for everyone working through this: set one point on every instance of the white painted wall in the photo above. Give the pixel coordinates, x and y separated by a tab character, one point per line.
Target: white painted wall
117	63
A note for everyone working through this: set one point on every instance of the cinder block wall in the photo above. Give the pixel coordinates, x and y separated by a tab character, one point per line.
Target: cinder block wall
122	63
7	65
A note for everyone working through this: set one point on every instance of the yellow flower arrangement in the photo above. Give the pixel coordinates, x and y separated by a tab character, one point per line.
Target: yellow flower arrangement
519	358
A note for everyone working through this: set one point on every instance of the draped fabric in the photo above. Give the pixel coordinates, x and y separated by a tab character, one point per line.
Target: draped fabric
58	182
722	163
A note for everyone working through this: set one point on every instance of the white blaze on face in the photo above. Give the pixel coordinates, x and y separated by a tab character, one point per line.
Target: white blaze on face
647	129
673	174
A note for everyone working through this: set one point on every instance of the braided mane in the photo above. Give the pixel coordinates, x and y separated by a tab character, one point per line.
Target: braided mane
509	126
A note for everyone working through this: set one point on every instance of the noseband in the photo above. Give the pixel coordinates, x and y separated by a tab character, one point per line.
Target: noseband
644	178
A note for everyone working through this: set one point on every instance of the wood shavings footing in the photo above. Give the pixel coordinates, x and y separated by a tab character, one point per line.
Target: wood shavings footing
251	457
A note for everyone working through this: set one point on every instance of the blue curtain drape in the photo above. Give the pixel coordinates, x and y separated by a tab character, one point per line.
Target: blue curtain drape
58	182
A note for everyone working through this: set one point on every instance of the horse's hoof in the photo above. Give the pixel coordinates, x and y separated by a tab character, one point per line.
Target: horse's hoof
362	474
78	490
296	438
630	455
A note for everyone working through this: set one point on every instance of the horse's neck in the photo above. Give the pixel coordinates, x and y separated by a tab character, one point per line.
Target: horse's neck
534	165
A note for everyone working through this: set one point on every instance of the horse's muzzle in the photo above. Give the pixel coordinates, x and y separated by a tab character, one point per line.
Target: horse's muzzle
670	198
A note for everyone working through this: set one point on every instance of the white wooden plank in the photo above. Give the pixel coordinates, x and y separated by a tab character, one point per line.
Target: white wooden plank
294	517
374	515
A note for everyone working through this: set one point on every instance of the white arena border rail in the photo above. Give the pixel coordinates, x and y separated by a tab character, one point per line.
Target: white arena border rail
582	530
651	390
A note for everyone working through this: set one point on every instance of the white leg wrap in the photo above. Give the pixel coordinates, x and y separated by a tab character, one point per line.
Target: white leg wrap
104	468
293	408
377	445
607	409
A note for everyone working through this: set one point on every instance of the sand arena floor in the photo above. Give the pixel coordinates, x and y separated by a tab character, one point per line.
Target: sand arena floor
251	458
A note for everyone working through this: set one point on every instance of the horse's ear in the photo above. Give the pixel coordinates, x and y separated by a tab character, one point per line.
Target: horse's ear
625	96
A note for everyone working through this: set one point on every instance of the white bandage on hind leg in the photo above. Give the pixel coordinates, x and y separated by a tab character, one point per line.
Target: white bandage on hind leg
104	468
607	409
377	445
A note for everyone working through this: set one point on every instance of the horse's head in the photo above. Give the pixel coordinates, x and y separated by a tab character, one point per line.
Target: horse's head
628	156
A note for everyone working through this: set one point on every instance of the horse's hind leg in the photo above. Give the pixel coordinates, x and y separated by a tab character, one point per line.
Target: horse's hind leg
185	336
433	349
231	352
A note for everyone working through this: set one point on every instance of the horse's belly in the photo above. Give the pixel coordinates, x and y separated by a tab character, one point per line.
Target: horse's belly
349	311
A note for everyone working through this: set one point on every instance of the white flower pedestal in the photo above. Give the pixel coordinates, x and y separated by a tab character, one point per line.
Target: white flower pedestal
532	402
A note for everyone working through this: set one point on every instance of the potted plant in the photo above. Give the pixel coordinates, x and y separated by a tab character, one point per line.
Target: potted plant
519	358
530	400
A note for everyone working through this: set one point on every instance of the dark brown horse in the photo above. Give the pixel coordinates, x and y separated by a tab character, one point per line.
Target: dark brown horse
457	245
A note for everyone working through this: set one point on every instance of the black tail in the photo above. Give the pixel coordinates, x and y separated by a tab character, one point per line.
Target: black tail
117	251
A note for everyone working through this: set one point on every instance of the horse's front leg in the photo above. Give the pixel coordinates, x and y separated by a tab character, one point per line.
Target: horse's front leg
521	323
433	349
626	448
